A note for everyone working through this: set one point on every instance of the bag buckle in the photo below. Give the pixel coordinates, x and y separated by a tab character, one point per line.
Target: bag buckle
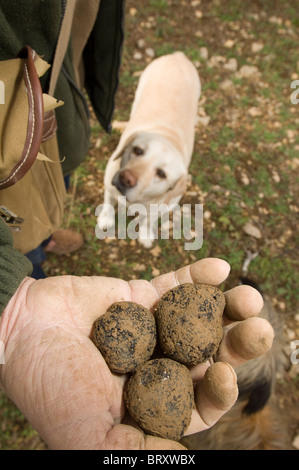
10	218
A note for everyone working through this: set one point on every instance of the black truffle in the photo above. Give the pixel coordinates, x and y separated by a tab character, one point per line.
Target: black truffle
189	322
159	397
125	335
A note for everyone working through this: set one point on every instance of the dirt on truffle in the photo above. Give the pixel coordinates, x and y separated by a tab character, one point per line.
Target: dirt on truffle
125	335
160	398
189	320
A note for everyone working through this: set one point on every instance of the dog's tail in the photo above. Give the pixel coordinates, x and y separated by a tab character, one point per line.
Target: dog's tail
258	391
256	379
248	282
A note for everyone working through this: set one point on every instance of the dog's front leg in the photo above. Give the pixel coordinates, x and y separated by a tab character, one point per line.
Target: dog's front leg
146	232
106	212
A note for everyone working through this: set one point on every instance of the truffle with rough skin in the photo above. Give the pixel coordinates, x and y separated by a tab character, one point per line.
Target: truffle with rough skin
125	335
189	322
160	398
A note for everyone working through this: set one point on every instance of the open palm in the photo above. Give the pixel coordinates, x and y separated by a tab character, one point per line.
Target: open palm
59	380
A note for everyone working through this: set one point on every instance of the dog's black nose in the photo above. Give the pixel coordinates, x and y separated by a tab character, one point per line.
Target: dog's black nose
127	179
124	180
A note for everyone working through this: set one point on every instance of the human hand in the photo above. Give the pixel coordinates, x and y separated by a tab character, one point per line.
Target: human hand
59	380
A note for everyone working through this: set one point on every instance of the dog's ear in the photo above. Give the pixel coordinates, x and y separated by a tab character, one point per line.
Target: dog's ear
123	145
179	188
118	154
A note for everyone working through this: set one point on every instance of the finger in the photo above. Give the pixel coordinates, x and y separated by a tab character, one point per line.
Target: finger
211	271
246	340
127	437
242	302
215	394
156	443
92	296
198	371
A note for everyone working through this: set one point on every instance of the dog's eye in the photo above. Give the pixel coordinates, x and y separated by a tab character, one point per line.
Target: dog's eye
138	151
160	173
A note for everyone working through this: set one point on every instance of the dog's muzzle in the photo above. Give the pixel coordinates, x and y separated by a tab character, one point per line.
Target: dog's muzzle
124	180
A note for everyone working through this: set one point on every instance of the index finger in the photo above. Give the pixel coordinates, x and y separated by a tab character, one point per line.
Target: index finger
212	271
241	301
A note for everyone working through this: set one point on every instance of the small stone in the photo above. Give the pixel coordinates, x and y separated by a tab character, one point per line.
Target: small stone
141	43
291	134
229	43
226	84
198	14
203	120
254	111
137	55
133	11
254	16
139	267
281	305
155	272
275	176
216	60
150	52
256	47
231	64
275	20
244	178
98	143
204	53
247	71
252	230
156	251
290	334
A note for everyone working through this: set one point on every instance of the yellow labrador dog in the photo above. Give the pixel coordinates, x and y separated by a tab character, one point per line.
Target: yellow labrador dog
150	163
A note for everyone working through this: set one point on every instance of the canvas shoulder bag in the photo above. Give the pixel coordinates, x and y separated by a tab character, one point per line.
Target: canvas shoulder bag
32	190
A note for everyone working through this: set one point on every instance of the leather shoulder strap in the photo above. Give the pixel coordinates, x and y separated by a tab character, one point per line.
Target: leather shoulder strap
62	43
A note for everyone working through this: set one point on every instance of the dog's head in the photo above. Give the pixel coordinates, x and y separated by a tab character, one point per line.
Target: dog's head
150	167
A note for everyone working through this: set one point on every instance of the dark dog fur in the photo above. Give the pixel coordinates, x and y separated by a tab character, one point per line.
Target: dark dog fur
254	422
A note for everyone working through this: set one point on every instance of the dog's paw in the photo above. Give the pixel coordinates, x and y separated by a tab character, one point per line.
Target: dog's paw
146	236
106	224
146	242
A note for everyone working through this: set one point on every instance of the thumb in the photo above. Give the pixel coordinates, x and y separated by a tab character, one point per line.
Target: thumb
122	436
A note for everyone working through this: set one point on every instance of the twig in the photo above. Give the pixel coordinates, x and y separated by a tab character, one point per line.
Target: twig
250	256
72	199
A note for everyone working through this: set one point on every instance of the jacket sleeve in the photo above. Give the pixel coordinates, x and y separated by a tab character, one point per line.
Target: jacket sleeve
14	266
